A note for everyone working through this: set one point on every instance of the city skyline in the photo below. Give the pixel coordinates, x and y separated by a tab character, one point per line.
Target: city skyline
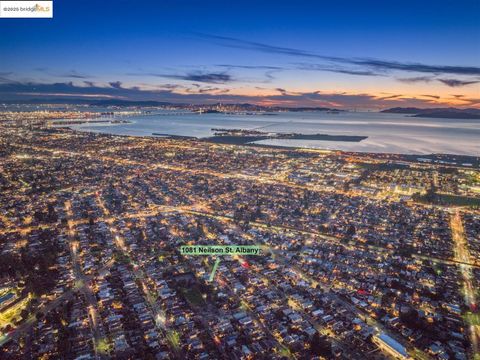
345	55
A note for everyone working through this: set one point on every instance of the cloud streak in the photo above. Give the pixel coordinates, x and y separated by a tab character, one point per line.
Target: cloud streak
204	77
448	82
212	78
72	74
250	67
75	75
337	69
375	64
417	79
5	77
436	97
457	83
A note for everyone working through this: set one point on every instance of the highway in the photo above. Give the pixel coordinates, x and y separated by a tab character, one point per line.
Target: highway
462	253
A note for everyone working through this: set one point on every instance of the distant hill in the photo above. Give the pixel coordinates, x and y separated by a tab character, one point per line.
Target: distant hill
206	108
444	113
403	110
448	114
114	102
76	101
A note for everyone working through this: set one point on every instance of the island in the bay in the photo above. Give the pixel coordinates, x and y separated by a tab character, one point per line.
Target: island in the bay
245	136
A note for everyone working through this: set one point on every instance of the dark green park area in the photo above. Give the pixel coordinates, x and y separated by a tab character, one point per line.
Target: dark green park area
448	200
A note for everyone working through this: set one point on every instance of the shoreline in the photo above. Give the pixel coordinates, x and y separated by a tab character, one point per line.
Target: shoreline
443	159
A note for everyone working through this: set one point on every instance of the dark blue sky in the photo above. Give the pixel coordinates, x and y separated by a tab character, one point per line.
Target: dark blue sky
343	53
